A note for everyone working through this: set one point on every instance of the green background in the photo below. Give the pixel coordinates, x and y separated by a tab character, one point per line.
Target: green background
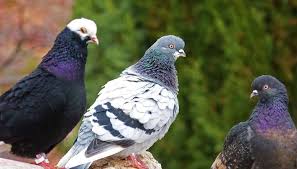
228	44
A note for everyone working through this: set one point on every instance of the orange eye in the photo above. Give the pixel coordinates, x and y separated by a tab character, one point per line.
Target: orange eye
83	30
171	46
265	87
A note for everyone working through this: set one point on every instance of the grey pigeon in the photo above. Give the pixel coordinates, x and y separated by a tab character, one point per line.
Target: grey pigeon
43	107
133	111
268	140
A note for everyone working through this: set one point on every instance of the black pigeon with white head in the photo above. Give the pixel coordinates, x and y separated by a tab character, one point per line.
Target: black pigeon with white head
43	107
133	111
269	138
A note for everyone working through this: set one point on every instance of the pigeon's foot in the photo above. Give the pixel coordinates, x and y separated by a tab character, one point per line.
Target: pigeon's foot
42	161
46	165
136	162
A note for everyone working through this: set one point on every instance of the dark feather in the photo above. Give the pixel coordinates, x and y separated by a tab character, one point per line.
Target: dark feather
97	146
237	149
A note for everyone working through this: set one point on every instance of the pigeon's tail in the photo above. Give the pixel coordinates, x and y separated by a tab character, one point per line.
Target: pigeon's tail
75	149
81	158
217	164
83	166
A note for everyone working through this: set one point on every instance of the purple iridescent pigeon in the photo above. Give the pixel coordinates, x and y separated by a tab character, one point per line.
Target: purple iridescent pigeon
43	107
268	140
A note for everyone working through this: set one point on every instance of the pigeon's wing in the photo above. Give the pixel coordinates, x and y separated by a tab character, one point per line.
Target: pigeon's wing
237	149
276	149
132	108
128	110
29	103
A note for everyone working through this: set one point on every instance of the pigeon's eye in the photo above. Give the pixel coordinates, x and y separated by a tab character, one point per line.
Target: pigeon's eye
171	46
265	87
83	30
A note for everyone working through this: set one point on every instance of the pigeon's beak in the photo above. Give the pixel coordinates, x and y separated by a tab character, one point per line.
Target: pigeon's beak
180	53
93	39
254	93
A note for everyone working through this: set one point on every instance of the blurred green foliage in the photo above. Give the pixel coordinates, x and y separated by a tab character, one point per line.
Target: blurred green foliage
228	44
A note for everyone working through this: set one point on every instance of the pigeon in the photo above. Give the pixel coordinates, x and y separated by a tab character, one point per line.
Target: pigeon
42	108
132	111
268	139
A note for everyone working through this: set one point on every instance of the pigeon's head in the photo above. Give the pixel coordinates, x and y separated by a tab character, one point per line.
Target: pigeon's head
86	29
169	47
267	87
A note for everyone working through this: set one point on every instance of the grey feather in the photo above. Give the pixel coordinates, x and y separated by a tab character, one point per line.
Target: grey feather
83	166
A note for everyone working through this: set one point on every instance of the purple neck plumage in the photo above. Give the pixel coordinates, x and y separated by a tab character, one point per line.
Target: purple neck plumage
67	58
271	115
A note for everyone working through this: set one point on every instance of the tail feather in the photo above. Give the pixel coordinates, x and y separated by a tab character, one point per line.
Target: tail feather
76	148
218	164
81	158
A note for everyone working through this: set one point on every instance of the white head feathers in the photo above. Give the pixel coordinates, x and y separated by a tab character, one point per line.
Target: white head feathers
85	28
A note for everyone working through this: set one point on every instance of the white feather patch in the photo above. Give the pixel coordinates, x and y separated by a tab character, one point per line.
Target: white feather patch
99	130
128	132
145	118
117	124
135	114
110	115
76	24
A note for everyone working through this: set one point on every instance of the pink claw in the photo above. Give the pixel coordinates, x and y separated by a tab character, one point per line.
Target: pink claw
42	161
136	162
46	165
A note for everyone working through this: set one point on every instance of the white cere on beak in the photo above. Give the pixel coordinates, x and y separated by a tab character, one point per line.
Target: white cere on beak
89	28
182	53
254	93
179	53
